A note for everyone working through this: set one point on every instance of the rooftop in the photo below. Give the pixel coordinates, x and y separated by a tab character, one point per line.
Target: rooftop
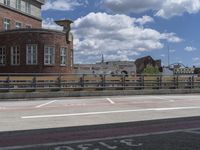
41	1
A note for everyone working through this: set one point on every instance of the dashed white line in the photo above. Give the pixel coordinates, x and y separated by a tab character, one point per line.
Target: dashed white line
1	108
108	112
39	106
69	105
111	101
171	100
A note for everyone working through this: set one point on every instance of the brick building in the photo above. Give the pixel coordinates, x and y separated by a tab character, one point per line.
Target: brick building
27	48
20	14
141	63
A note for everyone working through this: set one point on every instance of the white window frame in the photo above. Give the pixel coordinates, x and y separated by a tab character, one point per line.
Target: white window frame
63	56
7	23
31	54
2	56
27	7
28	26
18	25
7	2
15	55
18	4
49	55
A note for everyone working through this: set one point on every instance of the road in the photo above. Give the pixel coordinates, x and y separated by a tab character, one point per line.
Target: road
122	122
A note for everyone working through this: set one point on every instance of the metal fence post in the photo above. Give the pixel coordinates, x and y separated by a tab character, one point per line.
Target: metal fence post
8	83
82	81
192	81
177	82
34	83
174	82
123	82
59	82
142	81
160	82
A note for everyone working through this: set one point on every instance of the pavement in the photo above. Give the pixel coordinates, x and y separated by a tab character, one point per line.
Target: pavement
152	122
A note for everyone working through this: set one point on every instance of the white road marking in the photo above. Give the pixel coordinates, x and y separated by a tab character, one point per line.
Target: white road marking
91	140
111	101
108	112
39	106
193	131
71	105
162	98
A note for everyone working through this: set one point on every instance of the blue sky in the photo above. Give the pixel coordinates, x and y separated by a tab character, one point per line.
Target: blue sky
129	29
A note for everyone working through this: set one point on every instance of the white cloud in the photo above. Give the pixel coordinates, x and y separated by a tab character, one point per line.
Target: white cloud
196	59
190	49
162	8
49	23
162	55
61	5
118	37
144	20
172	50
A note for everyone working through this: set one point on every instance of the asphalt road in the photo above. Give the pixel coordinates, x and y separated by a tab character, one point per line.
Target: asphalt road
101	123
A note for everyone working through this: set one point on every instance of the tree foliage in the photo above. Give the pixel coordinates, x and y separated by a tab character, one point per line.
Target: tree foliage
151	70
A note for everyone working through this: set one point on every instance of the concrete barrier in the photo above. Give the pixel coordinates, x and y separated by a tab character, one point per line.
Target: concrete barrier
32	95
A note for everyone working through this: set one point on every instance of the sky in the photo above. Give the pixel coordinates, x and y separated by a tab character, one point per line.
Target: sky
124	30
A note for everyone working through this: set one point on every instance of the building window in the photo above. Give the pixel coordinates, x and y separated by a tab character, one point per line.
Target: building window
31	54
7	24
7	2
28	7
27	26
2	56
49	55
63	56
15	55
18	25
18	4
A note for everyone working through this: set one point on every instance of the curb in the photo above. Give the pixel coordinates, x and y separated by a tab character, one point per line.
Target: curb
11	96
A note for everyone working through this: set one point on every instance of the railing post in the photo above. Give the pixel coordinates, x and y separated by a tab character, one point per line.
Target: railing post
82	81
160	82
59	82
174	82
193	82
142	81
123	81
103	78
34	83
8	83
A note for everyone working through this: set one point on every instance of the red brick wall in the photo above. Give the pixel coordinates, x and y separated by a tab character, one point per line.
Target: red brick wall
41	37
17	17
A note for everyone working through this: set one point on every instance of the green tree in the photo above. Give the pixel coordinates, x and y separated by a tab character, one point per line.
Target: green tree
150	70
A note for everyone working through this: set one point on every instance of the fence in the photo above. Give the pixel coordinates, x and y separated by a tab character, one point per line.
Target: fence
56	82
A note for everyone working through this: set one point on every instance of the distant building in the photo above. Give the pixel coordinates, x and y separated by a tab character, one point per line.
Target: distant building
141	63
110	67
183	71
166	71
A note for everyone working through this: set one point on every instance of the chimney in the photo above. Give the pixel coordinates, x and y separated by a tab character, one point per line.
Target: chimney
66	24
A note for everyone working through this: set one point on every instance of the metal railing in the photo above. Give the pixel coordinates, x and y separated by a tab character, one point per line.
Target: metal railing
56	82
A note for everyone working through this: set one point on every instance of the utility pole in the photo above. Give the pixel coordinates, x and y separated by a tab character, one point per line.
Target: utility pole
168	56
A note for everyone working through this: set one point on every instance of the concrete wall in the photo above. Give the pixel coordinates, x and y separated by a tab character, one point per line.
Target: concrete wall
7	96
